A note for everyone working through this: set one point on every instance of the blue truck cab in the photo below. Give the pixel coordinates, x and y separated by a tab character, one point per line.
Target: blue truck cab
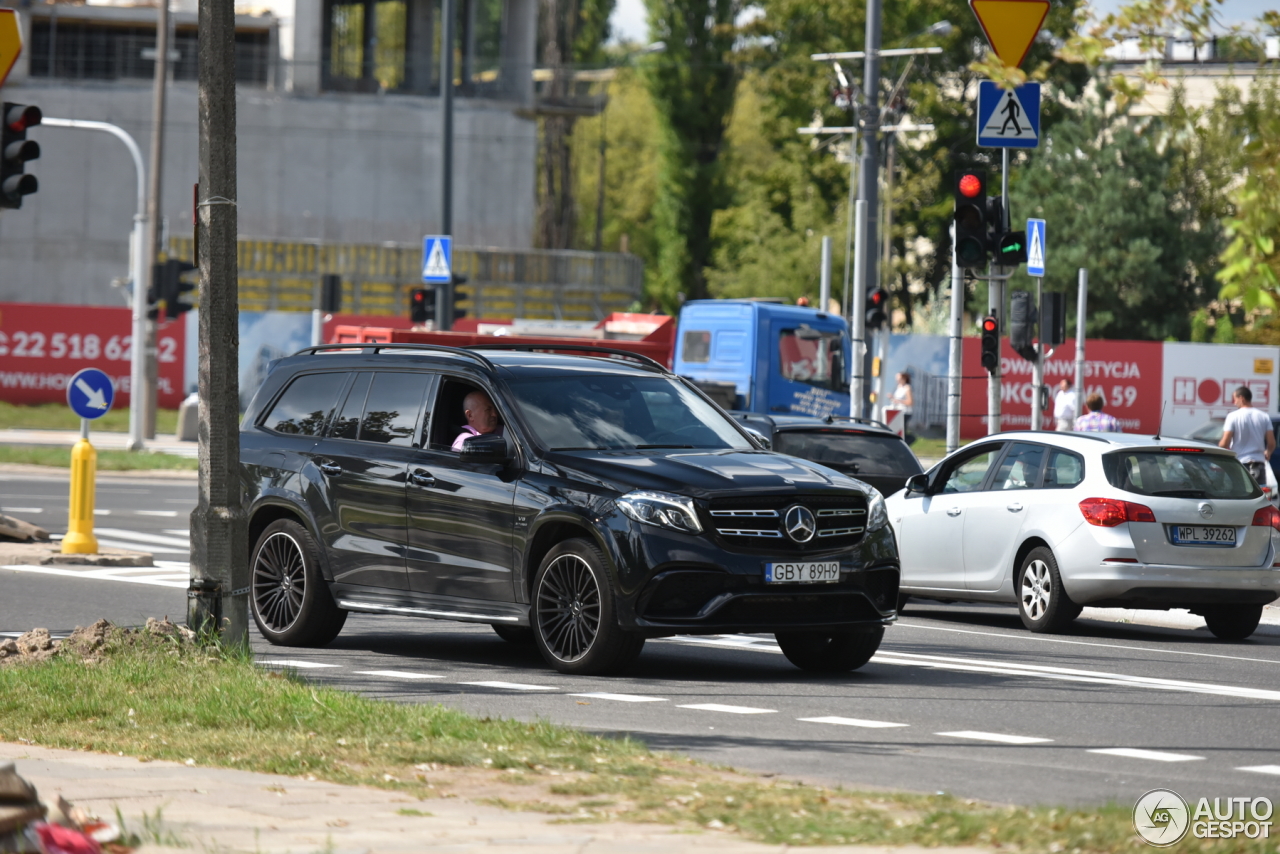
779	358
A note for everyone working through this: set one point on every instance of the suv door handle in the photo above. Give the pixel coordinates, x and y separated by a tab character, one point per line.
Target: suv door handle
1015	507
422	477
330	468
953	511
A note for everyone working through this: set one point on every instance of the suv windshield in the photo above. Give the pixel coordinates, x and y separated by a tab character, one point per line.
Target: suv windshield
609	412
849	451
1179	475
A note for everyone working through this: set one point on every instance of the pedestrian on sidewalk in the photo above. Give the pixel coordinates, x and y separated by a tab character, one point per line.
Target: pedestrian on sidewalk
1064	406
905	401
1097	421
1248	433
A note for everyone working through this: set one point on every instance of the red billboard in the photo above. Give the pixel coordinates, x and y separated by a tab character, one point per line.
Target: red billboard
43	346
1128	375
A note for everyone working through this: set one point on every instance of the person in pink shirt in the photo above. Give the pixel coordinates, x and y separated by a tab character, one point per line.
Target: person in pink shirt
482	418
1097	421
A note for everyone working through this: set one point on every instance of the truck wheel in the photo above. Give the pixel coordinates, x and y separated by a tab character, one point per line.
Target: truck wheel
1043	604
575	622
826	652
290	600
1233	622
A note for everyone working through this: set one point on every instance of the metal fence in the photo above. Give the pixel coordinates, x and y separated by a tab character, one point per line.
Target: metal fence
377	279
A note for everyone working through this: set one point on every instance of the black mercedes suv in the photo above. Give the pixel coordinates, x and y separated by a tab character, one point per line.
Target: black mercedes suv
613	503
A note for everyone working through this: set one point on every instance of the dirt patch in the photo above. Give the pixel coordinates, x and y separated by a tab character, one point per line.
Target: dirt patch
89	643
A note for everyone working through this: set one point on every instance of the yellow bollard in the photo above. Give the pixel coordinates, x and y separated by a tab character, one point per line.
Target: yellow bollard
84	470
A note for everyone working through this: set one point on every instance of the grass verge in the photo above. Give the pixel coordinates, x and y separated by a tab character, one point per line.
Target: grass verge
932	448
157	698
40	455
58	416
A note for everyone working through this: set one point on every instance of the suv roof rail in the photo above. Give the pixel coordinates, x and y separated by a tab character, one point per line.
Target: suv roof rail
832	418
575	348
379	346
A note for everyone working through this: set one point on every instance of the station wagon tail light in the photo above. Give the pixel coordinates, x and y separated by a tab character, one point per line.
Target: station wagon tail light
1267	517
1110	512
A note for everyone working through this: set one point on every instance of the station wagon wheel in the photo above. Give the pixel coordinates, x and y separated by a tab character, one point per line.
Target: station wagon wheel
1232	622
291	603
574	615
1043	603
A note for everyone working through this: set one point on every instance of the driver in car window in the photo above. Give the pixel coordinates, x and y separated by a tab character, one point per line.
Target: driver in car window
482	418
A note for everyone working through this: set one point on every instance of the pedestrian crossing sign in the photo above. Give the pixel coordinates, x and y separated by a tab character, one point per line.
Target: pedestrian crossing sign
1035	247
1008	118
437	259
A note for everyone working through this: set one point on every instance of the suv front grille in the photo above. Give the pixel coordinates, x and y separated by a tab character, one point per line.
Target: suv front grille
755	522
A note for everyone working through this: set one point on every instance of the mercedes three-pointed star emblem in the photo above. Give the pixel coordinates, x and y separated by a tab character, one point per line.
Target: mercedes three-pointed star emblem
799	523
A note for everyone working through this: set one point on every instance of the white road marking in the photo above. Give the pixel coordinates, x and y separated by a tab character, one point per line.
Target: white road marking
165	513
138	536
1153	755
161	578
1026	636
182	533
22	509
398	674
1262	769
98	511
995	736
512	686
294	662
621	698
733	710
839	721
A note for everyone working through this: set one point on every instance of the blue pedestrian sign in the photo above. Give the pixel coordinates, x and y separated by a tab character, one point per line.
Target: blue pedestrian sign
1008	119
1035	247
437	259
90	393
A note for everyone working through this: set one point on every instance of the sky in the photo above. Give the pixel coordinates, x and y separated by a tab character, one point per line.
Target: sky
628	20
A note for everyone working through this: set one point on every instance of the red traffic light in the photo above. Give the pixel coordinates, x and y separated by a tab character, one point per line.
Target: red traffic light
989	324
970	185
19	117
877	297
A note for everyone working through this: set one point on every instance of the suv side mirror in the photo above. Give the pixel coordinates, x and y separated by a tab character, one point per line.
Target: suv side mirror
759	438
918	483
485	448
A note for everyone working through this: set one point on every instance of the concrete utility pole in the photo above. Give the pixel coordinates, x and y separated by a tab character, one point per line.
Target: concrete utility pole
1082	305
955	356
154	186
1037	369
824	286
444	292
858	317
869	181
218	595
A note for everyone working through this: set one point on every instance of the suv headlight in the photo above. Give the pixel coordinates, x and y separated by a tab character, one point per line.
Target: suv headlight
662	509
877	514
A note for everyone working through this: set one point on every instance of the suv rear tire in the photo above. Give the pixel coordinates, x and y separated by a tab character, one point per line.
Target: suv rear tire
1043	603
824	652
285	559
1233	622
575	617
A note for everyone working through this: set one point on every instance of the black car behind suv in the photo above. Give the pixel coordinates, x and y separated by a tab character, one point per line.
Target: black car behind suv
861	448
615	503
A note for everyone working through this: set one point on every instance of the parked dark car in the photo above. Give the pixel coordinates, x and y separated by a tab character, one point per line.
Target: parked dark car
861	448
616	503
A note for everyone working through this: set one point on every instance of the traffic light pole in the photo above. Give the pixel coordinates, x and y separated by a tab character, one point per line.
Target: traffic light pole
1082	304
1037	368
139	275
956	355
995	301
858	319
444	291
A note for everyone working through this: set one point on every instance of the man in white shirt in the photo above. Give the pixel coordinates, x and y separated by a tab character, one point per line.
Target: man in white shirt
1248	433
1064	406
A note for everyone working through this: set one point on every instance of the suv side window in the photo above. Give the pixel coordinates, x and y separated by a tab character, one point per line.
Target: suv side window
1020	468
347	424
1064	471
971	473
305	405
392	408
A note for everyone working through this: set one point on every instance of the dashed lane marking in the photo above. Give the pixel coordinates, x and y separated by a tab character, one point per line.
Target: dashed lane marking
999	737
398	674
1153	755
137	536
168	514
733	710
22	509
295	662
621	698
839	721
161	578
1262	769
511	686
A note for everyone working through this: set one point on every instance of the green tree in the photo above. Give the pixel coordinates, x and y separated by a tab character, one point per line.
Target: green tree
692	85
1102	181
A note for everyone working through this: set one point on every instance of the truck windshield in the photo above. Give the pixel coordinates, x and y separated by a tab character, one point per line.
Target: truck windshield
1179	475
610	412
813	358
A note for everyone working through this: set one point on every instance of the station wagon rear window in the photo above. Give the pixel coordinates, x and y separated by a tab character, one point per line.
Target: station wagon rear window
849	451
1172	474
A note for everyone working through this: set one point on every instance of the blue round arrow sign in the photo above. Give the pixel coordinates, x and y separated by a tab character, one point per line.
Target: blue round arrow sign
89	394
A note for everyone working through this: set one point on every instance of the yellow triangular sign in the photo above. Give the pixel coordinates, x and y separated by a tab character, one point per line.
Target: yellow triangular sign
1010	25
10	41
